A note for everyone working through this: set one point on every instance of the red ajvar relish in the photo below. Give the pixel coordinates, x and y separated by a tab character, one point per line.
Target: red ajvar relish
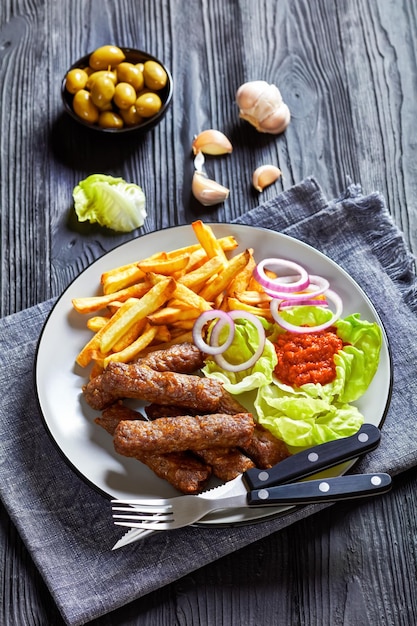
307	357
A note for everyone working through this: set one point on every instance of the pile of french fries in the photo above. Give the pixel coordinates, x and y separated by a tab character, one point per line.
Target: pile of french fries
153	303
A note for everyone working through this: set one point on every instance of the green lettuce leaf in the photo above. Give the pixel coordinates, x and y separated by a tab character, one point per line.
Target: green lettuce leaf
111	202
364	341
300	420
244	345
313	413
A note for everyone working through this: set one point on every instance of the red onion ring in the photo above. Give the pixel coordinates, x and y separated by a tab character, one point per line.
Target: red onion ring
219	358
330	295
285	304
226	319
321	285
281	283
223	319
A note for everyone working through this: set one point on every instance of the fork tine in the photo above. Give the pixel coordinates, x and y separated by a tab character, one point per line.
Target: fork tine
145	525
149	509
144	517
160	514
144	502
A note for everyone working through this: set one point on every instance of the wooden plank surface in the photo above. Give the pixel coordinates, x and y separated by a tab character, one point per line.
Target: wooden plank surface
348	72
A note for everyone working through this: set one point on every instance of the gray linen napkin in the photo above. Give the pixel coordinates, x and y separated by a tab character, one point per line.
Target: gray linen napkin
66	525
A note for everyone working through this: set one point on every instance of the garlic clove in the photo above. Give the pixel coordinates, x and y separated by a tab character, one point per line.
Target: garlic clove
264	176
277	122
207	191
248	94
212	142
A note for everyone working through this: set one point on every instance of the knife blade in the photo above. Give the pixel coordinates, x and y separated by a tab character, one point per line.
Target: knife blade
132	535
296	467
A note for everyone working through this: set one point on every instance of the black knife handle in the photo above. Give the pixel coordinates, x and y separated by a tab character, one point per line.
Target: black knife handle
316	459
347	487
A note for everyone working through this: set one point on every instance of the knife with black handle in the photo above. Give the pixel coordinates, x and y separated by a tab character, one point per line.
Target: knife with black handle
351	486
316	459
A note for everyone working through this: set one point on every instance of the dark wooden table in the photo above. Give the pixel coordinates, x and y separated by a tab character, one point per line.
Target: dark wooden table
347	69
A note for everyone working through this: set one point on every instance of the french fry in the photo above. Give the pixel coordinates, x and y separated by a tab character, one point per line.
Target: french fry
163	334
199	256
167	266
113	307
220	301
123	277
92	349
95	303
228	243
181	292
253	285
131	351
183	325
241	281
96	370
219	284
130	335
85	356
198	277
197	259
254	298
178	336
127	316
235	304
171	254
192	299
97	322
208	240
179	304
171	314
98	357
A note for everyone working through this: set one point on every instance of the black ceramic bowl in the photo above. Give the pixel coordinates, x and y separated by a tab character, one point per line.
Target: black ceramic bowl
132	56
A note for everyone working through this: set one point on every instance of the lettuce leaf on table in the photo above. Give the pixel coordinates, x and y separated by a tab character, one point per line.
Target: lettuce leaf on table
110	202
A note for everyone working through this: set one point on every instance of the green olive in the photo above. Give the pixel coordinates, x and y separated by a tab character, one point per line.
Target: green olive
131	116
95	75
155	76
148	104
84	107
129	73
106	56
76	79
124	95
102	91
110	119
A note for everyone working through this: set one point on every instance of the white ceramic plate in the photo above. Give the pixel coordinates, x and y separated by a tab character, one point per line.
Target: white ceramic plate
70	421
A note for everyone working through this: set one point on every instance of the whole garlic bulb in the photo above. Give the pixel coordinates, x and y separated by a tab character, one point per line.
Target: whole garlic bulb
262	105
